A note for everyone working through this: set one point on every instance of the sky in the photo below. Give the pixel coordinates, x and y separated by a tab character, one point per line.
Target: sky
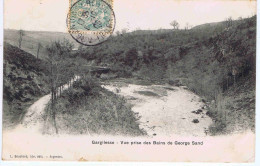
50	15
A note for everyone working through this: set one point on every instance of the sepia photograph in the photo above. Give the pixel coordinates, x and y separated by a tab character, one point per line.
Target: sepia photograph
129	80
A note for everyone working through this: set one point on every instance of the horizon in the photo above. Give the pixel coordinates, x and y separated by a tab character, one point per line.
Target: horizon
129	14
122	29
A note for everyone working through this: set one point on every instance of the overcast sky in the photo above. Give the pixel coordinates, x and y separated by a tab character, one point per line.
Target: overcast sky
50	15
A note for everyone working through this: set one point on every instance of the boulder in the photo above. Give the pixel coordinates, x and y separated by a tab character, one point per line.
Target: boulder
197	111
195	121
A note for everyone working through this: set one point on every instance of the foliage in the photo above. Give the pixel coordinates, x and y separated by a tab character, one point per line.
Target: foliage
209	59
24	80
89	109
174	24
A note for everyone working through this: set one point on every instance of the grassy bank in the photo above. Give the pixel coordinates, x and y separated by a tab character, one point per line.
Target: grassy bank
89	109
25	80
222	70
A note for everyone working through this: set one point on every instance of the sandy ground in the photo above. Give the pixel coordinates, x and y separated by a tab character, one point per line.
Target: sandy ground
33	121
167	114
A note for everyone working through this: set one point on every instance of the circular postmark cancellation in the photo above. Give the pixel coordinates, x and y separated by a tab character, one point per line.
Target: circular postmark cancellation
91	22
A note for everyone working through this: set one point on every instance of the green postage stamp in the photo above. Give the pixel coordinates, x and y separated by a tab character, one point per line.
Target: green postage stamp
91	22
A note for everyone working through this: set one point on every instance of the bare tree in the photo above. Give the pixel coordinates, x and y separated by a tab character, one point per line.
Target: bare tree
175	24
117	33
229	22
21	34
124	31
187	26
38	49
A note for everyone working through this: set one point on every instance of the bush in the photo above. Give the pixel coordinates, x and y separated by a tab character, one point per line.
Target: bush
89	109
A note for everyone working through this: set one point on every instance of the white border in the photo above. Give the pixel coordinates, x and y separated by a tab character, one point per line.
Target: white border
12	163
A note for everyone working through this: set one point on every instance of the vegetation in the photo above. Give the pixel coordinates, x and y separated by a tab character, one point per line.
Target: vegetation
21	34
216	61
175	24
25	80
212	60
30	40
86	108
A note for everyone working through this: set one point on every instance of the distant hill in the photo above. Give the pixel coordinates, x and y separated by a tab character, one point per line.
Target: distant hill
211	25
147	32
214	25
32	38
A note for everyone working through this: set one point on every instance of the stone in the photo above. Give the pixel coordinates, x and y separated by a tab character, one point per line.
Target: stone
195	121
197	111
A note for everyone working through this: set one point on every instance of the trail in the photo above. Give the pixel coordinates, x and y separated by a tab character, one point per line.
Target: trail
164	113
165	110
33	120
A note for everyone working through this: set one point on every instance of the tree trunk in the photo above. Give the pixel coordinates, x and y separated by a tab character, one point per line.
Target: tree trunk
38	50
52	87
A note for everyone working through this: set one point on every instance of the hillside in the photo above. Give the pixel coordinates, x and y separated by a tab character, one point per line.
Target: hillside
214	61
217	63
222	68
32	38
24	80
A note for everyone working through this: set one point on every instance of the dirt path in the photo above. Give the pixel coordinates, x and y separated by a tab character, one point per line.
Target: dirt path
33	120
165	110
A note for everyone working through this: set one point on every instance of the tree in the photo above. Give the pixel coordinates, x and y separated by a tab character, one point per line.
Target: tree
187	26
58	54
175	24
117	33
131	57
229	22
21	34
124	31
38	49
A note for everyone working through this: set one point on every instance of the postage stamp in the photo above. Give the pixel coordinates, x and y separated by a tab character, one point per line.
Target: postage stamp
129	81
91	22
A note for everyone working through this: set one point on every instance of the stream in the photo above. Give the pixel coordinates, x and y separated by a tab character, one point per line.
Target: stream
165	110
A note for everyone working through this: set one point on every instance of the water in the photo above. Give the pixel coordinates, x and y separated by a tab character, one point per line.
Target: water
165	110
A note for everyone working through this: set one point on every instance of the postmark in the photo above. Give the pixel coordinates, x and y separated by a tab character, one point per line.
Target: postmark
91	22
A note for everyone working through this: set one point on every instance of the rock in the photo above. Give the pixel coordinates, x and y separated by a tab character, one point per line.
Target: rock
154	134
204	107
209	114
197	111
195	121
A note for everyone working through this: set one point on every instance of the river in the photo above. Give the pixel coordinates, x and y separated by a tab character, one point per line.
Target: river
165	110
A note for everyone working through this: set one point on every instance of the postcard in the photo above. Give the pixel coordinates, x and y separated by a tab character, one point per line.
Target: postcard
129	80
